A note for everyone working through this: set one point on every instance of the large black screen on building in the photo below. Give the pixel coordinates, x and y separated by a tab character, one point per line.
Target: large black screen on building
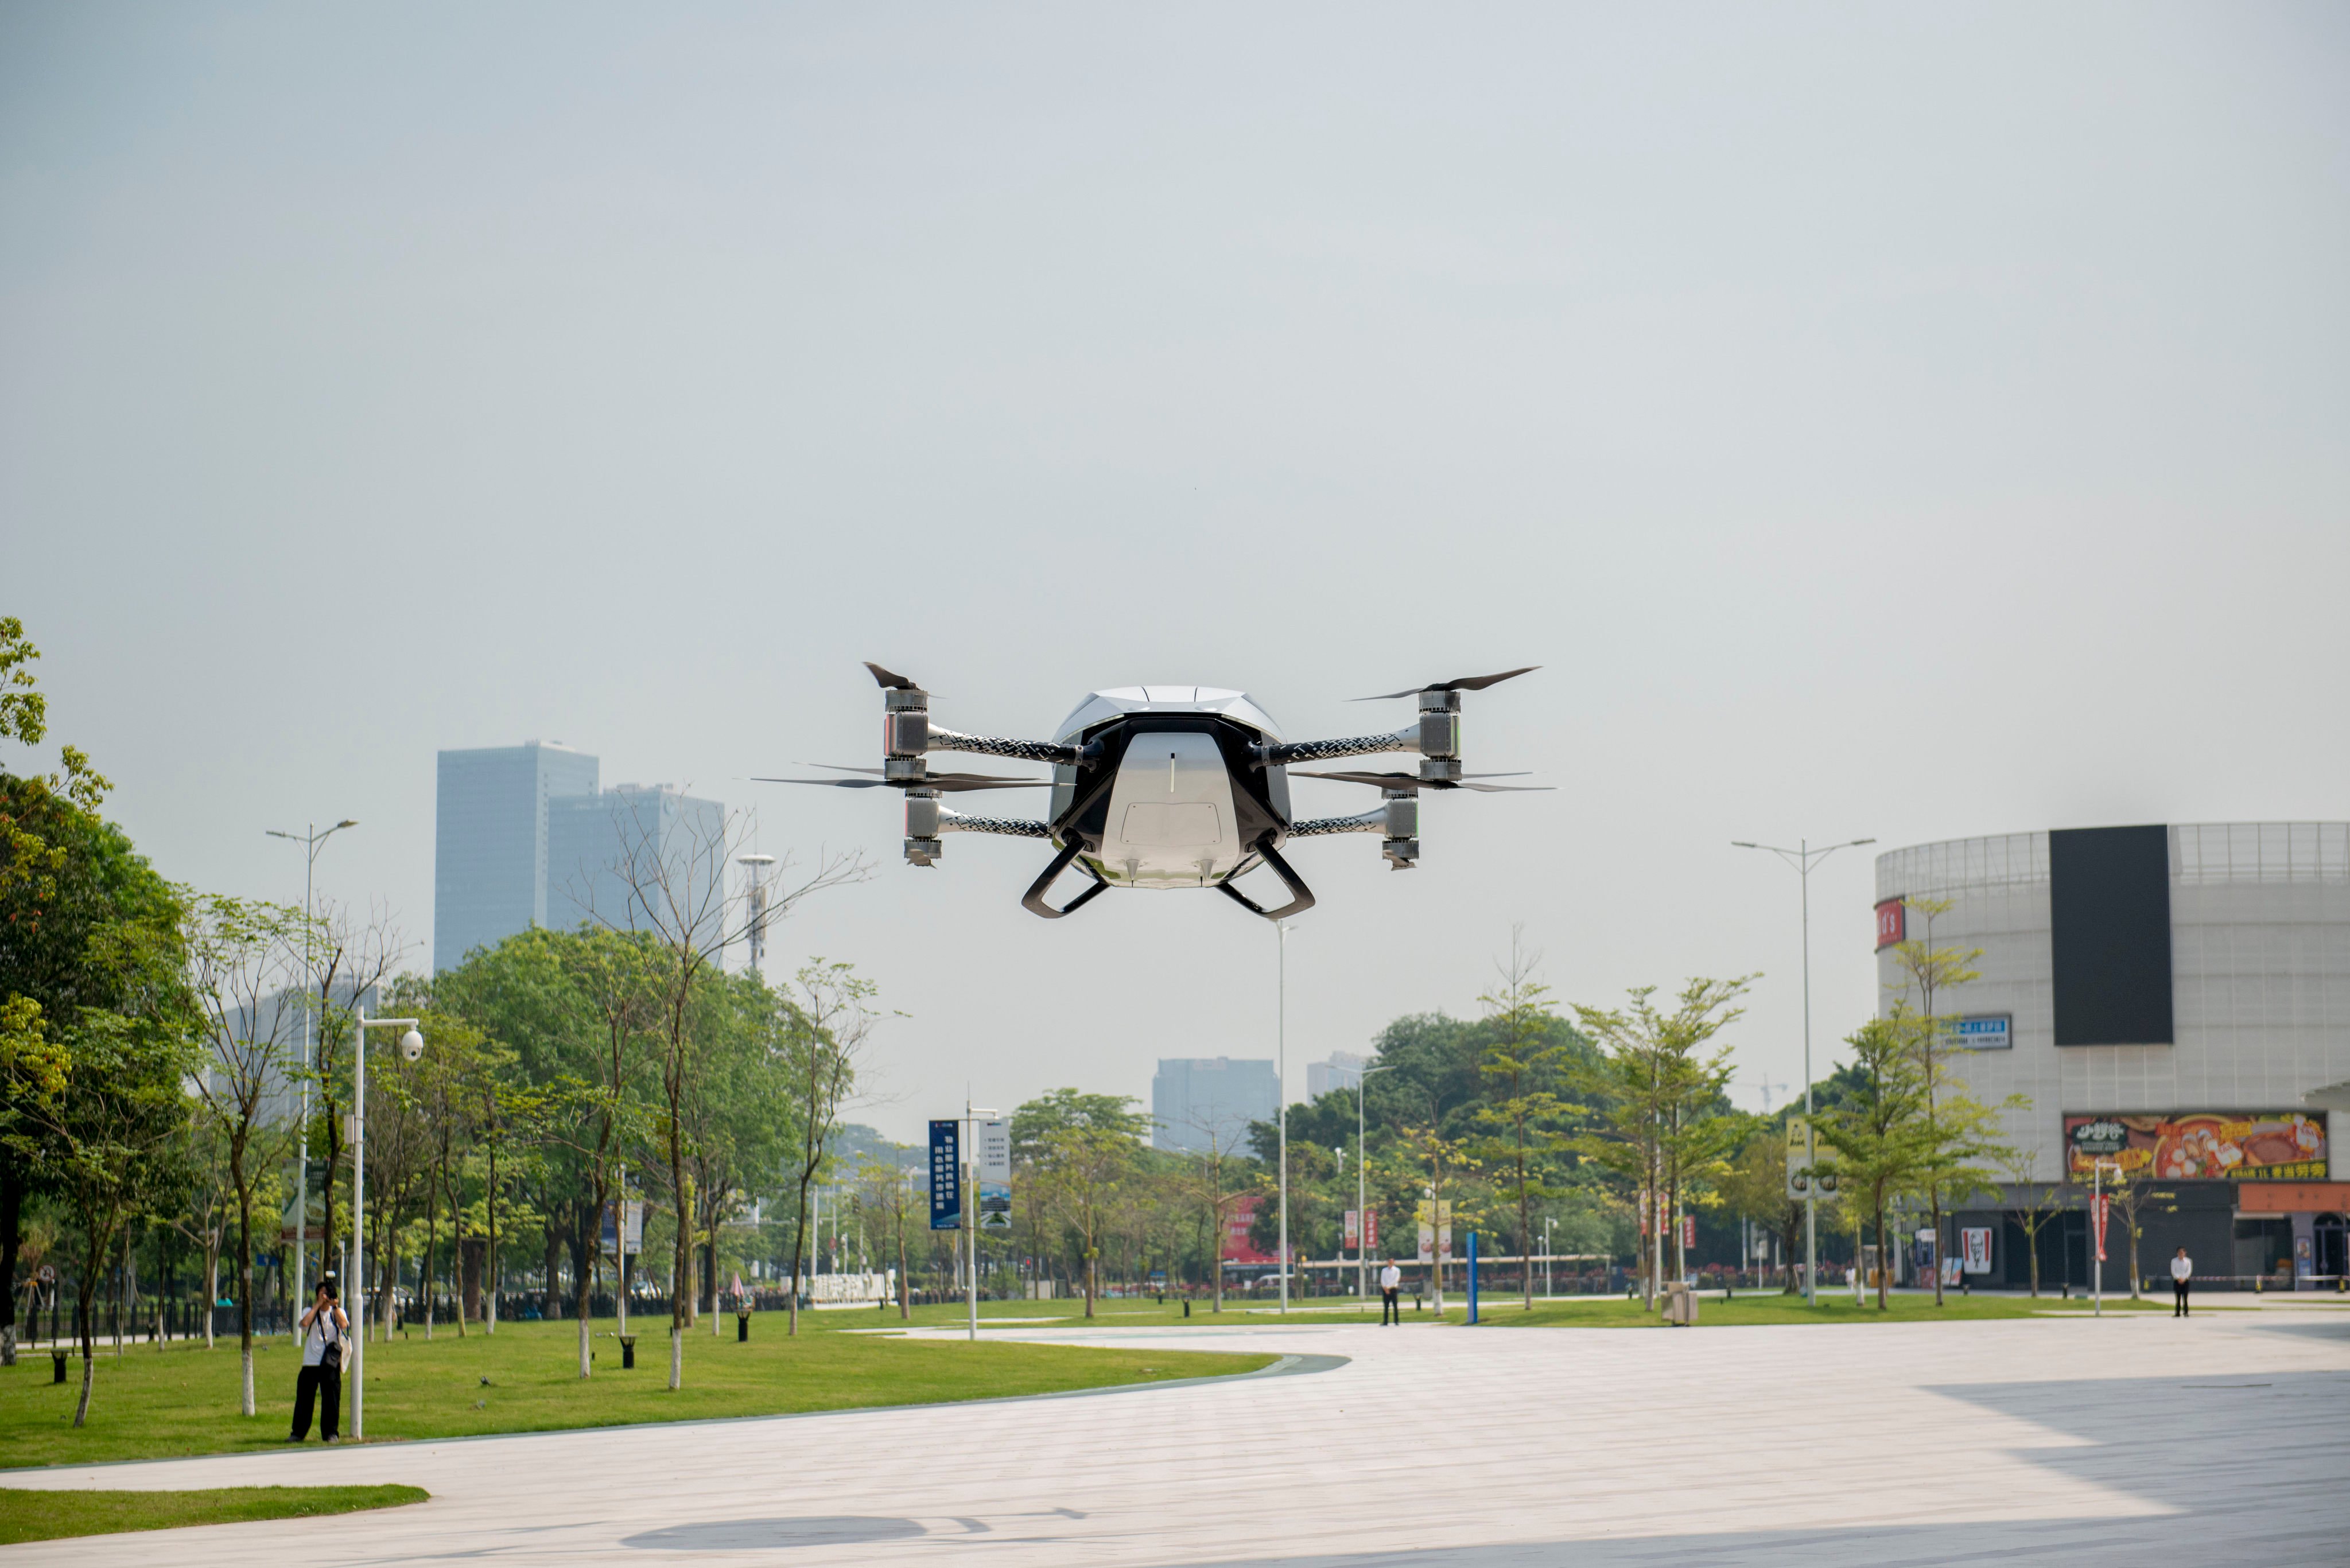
2109	919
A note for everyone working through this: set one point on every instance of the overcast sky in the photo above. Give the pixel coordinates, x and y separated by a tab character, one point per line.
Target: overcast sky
1903	422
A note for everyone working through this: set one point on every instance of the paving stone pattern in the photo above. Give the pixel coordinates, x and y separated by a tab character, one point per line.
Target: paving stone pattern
2121	1442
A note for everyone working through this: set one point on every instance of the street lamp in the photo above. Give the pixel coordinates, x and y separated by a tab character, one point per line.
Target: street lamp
310	841
1802	857
1362	1210
411	1047
1281	1099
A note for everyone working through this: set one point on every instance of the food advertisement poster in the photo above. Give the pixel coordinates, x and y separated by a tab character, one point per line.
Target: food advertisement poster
2200	1146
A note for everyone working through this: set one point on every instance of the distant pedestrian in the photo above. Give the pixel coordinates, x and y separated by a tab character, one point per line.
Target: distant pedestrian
2182	1270
1390	1281
325	1340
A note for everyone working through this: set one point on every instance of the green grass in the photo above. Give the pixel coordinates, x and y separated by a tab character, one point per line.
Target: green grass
1615	1312
181	1400
28	1515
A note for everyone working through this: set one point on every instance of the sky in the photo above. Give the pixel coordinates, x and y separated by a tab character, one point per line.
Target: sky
1902	422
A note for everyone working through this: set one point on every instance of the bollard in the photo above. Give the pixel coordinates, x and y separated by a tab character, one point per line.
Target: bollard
627	1352
742	1328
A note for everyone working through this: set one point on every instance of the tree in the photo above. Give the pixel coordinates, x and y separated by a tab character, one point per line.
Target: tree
2131	1190
1081	1147
243	957
343	959
1755	1187
108	1128
1446	1162
1925	970
2033	1203
884	1192
1209	1179
675	882
1521	1061
1665	1118
824	1047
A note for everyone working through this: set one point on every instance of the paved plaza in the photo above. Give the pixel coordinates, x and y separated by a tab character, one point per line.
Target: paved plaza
2124	1440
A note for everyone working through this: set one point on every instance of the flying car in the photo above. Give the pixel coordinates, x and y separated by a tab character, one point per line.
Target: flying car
1168	786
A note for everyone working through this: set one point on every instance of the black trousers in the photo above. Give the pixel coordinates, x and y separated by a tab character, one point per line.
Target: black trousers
1390	1311
2179	1298
327	1389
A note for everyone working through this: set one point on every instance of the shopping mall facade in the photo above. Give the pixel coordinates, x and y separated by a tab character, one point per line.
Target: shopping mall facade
2168	999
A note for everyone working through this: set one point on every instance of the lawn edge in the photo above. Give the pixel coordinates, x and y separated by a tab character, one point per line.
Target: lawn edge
1281	1366
423	1495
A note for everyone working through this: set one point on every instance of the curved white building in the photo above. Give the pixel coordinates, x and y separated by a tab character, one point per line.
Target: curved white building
2168	996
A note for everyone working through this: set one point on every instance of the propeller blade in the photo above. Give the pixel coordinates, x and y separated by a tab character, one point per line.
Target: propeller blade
1464	683
893	682
945	784
1413	783
966	778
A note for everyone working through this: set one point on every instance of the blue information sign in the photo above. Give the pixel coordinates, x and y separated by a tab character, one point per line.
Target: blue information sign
946	1176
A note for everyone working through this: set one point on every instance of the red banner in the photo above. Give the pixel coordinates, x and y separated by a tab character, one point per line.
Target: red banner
1892	923
2097	1214
1237	1247
1372	1229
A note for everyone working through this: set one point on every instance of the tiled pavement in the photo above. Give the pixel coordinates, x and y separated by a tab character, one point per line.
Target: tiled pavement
2120	1441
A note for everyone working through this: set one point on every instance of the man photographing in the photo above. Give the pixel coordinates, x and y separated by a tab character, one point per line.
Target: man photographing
325	1337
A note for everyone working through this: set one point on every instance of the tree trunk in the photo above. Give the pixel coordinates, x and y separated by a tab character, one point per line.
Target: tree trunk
83	1301
1936	1198
244	1292
212	1282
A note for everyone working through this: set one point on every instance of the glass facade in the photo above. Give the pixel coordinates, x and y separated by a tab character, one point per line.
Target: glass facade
524	838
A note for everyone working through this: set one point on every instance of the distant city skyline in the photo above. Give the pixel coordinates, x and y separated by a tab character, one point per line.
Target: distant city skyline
1196	1102
524	837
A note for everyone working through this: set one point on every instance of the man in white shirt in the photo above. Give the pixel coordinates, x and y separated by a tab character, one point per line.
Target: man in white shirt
2182	1269
1390	1281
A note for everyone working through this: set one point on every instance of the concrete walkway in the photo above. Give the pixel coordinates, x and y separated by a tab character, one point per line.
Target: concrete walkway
2130	1439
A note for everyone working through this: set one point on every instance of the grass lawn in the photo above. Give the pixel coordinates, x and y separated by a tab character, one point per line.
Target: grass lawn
155	1403
52	1515
1615	1312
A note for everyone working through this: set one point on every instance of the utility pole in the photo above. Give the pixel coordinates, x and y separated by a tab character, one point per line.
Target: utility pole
1802	857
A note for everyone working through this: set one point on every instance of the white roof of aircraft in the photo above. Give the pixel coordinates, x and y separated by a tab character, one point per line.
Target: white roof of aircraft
1100	705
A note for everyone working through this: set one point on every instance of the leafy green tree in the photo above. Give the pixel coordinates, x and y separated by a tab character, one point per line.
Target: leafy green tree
1080	1147
1665	1119
243	957
823	1048
1880	1140
1524	1060
1927	969
112	1131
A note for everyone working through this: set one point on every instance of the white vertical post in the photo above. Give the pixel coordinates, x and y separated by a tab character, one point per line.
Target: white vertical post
1281	1095
358	1216
970	1224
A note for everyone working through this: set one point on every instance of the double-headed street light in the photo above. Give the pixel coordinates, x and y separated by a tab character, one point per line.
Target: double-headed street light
411	1047
310	840
1802	857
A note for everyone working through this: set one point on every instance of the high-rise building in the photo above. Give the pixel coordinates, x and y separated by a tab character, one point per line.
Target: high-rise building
1196	1100
489	856
524	838
605	852
1344	1070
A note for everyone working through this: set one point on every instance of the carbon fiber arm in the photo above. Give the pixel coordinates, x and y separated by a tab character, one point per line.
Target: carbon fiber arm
952	821
1284	751
996	746
1315	828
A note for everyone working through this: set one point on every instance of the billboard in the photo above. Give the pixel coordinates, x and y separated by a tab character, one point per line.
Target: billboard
2200	1146
1238	1223
1435	1231
1981	1031
1892	923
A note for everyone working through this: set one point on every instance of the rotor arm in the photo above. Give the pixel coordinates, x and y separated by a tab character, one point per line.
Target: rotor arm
1397	821
1279	753
953	821
938	739
1316	827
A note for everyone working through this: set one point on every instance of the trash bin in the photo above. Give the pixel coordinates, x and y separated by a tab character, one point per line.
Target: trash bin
743	1327
627	1352
57	1366
1681	1304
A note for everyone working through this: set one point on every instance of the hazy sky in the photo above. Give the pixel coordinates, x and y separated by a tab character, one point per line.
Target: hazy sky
1896	421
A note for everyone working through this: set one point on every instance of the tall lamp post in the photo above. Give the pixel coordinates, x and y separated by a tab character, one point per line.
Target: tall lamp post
1281	1098
411	1045
310	841
1802	857
1362	1210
